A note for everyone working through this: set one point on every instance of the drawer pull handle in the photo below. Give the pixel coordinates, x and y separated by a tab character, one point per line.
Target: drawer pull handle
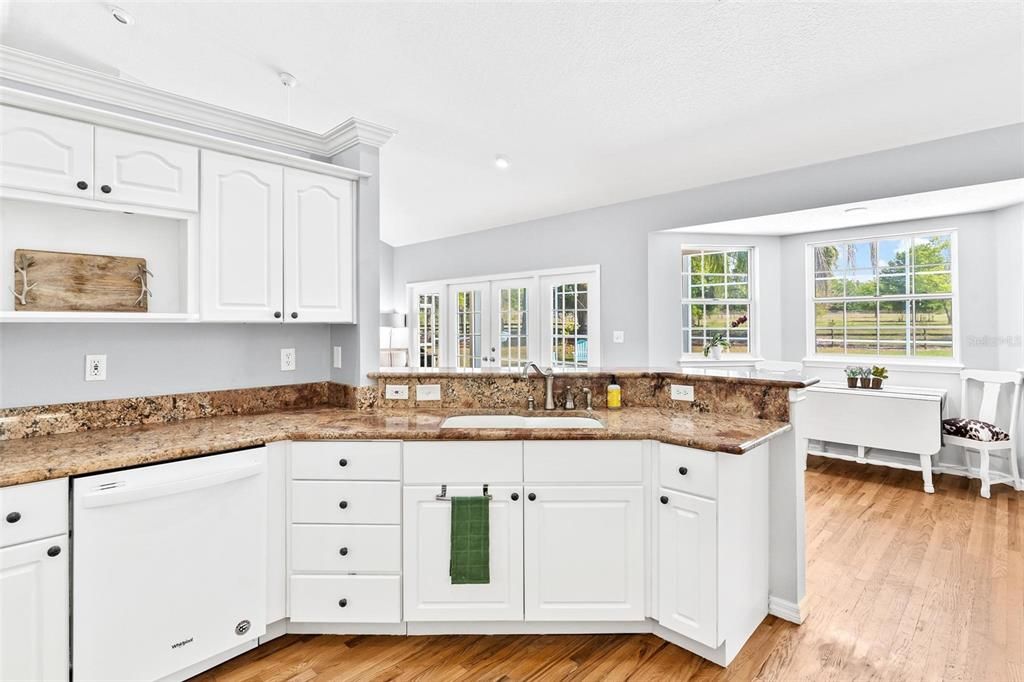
343	462
515	497
343	504
343	603
14	517
82	184
664	499
53	551
682	471
343	551
531	497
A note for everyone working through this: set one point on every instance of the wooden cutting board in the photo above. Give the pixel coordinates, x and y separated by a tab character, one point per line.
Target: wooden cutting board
80	281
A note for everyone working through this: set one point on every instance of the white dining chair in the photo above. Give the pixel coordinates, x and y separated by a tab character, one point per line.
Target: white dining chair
977	430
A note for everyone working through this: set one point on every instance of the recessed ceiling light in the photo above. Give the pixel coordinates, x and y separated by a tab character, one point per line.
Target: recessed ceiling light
856	209
501	161
121	16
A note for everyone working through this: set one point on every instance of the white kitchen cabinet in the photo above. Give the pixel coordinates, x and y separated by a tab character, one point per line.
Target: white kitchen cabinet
584	553
319	242
34	610
277	531
45	153
138	169
688	566
429	594
240	239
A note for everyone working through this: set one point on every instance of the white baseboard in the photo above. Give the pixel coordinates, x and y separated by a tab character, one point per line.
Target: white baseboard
717	656
347	628
518	627
787	610
275	630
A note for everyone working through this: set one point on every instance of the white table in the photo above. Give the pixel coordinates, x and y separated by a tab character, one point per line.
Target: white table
895	418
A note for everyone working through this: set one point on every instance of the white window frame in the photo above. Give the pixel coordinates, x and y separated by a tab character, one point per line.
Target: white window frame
539	310
752	303
811	354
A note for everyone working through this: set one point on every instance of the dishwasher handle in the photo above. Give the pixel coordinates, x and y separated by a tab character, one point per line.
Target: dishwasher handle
127	492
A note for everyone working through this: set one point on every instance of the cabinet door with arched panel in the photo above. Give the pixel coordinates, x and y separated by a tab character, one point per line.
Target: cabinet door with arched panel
45	153
137	169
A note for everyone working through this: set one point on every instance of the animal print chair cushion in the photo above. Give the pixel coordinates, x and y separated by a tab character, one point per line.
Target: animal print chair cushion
975	429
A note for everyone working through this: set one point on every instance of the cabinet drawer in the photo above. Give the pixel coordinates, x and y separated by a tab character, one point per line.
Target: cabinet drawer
317	549
583	462
472	462
346	502
688	470
360	461
33	511
345	599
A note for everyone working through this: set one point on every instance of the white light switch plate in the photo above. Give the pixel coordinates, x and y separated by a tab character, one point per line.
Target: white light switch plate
618	337
287	359
682	392
95	367
396	392
428	392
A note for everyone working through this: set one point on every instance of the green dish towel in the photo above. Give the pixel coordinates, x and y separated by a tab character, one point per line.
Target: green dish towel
470	562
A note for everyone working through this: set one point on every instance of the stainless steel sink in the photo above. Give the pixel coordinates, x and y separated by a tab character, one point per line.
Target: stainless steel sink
511	421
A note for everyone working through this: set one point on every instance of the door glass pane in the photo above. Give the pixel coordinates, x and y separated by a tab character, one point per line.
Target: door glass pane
428	341
513	327
468	320
570	340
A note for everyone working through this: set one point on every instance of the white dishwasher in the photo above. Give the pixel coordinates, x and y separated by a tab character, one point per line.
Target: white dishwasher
168	565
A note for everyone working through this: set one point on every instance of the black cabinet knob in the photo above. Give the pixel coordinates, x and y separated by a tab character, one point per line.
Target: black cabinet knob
343	551
531	497
343	504
515	497
343	462
14	517
53	551
343	603
82	184
277	314
664	499
682	471
105	189
295	316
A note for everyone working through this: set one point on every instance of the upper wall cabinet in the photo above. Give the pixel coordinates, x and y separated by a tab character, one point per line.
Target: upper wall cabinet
45	153
240	239
319	277
57	156
136	169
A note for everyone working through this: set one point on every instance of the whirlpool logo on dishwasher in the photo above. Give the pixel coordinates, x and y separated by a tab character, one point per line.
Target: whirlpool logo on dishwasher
178	645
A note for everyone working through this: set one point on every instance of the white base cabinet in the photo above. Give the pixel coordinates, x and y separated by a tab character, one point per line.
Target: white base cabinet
688	566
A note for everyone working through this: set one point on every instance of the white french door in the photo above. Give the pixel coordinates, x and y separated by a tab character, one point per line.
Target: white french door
571	309
490	323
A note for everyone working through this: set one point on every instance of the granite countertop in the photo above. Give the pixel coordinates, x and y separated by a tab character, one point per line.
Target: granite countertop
35	459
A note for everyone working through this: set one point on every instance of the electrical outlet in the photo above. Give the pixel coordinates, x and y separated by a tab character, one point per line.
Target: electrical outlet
618	337
95	367
428	392
287	359
682	392
396	392
337	357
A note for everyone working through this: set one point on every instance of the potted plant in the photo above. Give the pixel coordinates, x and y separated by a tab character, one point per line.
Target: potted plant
865	377
878	375
852	375
715	346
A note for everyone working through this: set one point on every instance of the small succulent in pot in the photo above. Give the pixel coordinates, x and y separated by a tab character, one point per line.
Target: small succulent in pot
715	346
878	375
865	377
852	375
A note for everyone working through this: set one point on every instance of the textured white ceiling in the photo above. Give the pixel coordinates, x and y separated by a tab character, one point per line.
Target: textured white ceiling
593	103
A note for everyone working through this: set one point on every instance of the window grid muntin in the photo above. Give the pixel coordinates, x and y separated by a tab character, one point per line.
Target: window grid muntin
513	332
428	342
733	281
567	313
468	329
909	272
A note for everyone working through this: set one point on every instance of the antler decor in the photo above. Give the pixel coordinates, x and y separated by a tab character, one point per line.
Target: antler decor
22	265
143	279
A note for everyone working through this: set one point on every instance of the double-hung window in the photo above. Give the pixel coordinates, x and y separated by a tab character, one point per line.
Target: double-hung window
717	298
884	296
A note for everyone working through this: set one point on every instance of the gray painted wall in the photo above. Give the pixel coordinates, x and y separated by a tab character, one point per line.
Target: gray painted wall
615	237
44	363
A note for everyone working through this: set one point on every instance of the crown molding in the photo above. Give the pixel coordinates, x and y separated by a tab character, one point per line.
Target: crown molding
26	68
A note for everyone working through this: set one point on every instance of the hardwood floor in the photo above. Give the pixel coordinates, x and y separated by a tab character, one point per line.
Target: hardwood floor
901	586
